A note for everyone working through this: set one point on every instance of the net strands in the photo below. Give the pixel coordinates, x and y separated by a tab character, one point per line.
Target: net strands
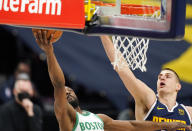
131	51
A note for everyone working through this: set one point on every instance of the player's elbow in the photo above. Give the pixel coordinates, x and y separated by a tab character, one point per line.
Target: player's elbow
134	126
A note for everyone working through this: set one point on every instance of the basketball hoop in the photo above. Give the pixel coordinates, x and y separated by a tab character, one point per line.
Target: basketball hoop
132	49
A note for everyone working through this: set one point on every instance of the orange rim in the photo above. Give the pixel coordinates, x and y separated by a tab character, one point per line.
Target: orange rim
131	9
138	9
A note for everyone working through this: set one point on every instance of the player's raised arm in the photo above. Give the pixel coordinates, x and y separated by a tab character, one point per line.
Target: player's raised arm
64	112
118	125
140	91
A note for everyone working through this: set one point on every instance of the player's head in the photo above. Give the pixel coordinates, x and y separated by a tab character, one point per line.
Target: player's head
168	81
72	98
23	66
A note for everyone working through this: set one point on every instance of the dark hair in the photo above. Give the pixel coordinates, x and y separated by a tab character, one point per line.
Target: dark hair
24	61
173	72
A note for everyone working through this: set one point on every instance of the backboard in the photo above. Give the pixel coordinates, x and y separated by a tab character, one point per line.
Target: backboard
160	19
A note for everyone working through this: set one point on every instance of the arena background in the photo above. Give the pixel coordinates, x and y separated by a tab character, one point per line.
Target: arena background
89	71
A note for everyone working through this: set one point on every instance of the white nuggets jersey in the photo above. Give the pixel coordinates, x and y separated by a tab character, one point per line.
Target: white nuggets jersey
88	121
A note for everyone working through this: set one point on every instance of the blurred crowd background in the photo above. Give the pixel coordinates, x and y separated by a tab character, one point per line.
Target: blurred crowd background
88	71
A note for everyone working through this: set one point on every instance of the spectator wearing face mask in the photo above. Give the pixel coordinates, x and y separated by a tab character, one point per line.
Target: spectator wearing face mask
21	114
6	89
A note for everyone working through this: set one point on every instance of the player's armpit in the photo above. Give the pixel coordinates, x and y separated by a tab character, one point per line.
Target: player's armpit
145	94
61	104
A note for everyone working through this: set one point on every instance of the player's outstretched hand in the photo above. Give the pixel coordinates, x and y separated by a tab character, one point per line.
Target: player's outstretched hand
181	126
44	43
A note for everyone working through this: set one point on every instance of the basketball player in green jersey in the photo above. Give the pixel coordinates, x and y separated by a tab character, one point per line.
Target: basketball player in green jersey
68	113
160	108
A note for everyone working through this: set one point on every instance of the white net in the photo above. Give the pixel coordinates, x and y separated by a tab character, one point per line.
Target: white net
132	52
132	49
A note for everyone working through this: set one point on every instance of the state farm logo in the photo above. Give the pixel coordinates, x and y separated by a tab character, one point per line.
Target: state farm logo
52	7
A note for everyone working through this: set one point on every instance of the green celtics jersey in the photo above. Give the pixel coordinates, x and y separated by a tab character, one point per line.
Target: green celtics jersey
88	121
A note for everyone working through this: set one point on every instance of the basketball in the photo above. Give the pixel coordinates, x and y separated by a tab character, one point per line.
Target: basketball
56	34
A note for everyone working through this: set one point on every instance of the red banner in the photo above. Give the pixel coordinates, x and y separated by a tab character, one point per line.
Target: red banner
43	13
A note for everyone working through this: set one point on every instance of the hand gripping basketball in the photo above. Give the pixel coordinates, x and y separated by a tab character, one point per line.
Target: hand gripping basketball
56	34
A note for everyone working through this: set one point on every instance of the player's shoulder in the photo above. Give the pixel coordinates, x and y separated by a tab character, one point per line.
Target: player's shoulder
189	108
189	111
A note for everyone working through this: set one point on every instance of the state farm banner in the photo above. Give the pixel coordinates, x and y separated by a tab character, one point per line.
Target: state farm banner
43	13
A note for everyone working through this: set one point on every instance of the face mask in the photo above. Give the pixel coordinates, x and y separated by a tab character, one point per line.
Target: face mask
23	95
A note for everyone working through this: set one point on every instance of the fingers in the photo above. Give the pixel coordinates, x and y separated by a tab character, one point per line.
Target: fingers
26	103
188	128
36	37
43	41
45	37
40	36
50	38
